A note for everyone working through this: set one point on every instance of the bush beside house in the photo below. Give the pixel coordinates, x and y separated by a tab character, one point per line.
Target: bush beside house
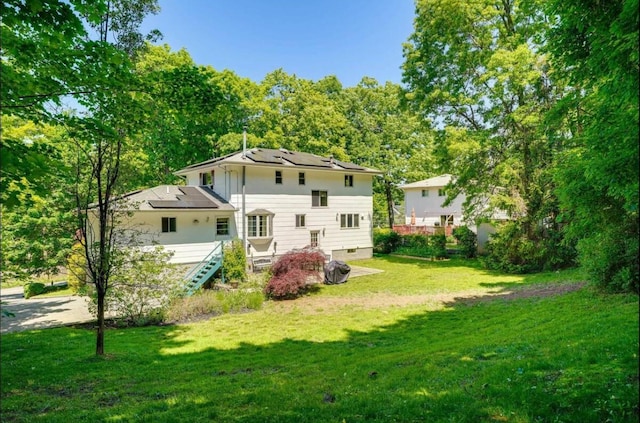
293	273
417	245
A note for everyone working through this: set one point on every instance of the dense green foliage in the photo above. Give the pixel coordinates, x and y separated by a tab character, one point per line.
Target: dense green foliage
596	46
538	110
417	245
77	269
234	262
33	288
510	251
423	341
143	284
385	241
467	241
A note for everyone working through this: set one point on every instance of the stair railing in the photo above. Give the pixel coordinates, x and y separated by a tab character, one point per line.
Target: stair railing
217	251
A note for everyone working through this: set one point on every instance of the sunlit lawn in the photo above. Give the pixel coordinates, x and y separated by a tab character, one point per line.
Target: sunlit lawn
423	341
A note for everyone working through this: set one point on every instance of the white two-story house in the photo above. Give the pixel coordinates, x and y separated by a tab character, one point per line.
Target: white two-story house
423	203
425	212
273	200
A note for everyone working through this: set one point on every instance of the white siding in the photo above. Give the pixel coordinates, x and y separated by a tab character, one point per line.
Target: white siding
289	198
189	253
192	226
429	209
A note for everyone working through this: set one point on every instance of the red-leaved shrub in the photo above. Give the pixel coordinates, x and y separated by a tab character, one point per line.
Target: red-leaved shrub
287	285
308	260
291	273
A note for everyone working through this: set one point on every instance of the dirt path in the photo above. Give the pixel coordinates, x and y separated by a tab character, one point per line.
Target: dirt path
309	304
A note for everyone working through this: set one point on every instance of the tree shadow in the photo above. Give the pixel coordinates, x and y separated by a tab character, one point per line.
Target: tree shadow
459	363
42	313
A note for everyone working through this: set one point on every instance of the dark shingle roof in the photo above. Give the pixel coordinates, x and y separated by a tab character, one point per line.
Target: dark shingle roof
280	157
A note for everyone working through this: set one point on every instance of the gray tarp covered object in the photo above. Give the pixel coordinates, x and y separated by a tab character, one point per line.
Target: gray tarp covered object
336	272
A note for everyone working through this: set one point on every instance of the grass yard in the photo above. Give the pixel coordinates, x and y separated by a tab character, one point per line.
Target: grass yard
425	341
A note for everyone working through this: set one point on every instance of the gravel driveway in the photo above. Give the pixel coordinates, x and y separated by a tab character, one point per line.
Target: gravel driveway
40	313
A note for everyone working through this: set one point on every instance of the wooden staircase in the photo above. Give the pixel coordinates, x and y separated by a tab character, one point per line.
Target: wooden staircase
204	270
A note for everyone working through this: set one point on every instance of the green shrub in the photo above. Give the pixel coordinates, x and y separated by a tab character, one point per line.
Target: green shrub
77	268
142	285
415	241
611	260
234	263
33	288
467	241
439	245
385	241
510	250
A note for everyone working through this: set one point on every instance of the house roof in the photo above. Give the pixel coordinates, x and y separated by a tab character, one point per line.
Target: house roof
279	158
177	197
436	181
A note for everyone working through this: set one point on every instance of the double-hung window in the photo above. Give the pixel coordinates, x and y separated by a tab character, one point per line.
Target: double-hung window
301	178
279	177
319	199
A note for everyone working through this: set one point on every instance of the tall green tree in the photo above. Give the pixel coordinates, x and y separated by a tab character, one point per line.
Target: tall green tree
100	137
476	70
297	114
37	219
46	57
188	109
595	46
387	137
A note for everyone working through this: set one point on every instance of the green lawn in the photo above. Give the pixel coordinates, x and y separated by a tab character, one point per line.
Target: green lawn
422	342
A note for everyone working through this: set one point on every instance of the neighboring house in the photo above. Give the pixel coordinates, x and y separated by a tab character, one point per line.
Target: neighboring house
423	203
273	200
424	212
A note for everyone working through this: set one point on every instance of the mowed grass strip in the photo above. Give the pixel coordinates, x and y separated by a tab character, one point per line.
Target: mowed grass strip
491	348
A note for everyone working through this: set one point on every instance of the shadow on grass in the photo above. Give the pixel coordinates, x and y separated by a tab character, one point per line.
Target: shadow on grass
570	357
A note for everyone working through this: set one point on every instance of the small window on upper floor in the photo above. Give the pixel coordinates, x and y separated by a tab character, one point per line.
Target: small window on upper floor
278	177
425	192
348	180
441	192
206	178
301	180
168	224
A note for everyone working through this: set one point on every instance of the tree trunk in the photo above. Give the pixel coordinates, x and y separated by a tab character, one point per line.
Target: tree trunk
389	194
100	329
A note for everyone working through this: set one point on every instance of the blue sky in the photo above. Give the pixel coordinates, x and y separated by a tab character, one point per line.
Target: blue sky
309	38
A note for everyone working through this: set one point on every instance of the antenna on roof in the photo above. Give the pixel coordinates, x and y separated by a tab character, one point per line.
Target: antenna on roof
244	141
